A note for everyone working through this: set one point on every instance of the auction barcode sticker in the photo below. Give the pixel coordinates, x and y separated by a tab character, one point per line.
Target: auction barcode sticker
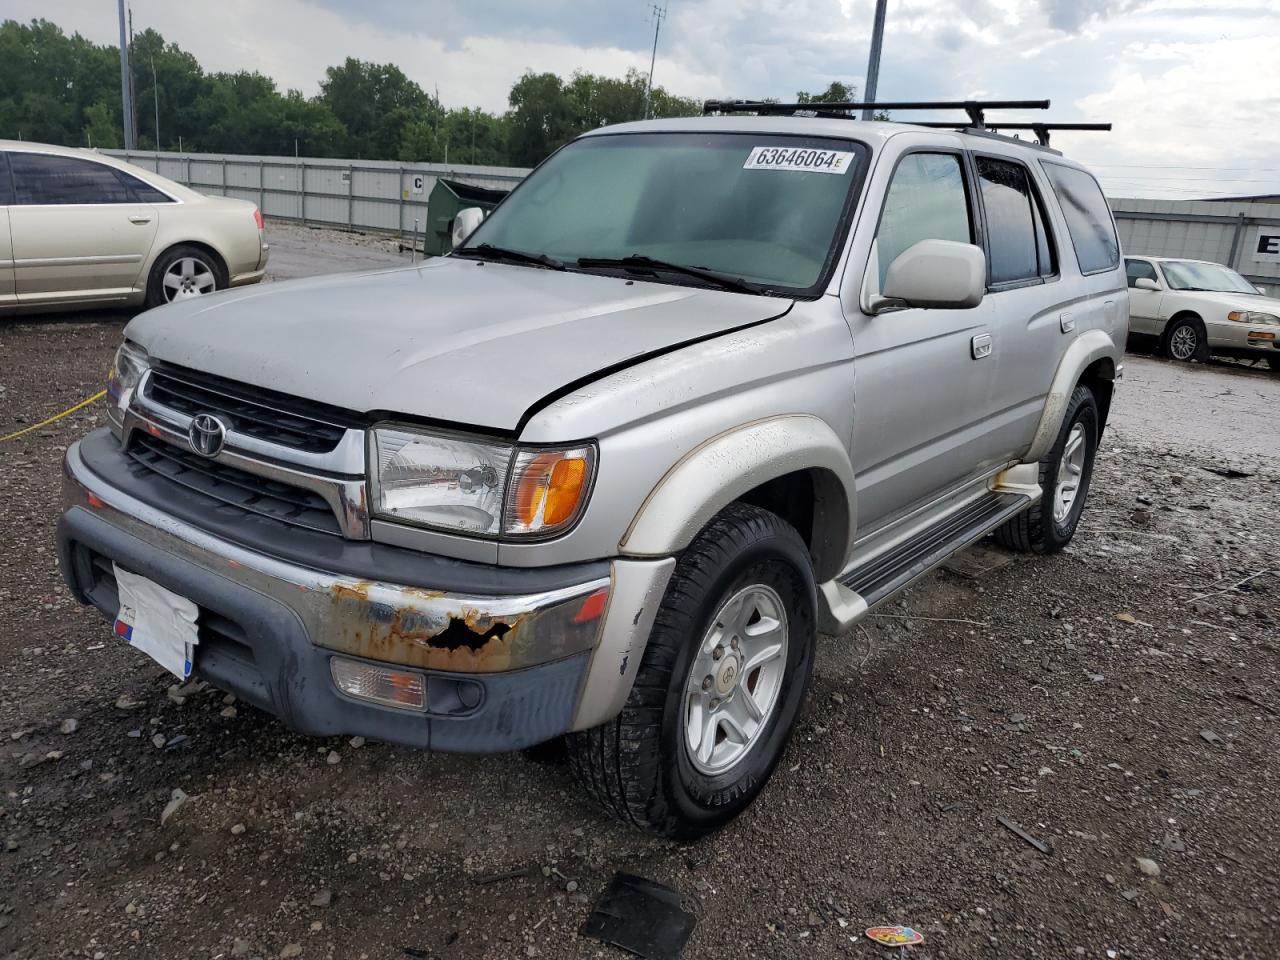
800	159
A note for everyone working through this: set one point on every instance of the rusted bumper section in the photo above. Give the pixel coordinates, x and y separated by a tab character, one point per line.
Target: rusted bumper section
500	671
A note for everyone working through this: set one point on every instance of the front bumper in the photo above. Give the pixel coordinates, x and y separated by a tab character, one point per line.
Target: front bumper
517	659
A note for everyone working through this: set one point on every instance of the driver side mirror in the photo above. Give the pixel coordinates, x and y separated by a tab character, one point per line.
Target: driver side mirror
464	224
935	274
1146	283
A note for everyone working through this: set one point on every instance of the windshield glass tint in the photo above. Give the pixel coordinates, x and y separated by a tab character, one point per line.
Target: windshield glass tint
1188	275
765	209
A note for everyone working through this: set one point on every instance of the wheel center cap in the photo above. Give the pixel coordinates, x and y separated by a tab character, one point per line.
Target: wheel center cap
727	676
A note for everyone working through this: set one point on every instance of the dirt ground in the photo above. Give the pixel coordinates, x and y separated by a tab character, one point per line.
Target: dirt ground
1117	702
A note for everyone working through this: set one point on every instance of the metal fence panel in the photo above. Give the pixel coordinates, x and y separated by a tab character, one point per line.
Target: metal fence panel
355	194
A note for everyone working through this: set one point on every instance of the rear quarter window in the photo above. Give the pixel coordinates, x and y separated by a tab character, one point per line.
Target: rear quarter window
1093	233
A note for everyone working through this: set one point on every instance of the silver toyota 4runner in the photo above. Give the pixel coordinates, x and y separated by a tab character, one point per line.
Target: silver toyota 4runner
696	390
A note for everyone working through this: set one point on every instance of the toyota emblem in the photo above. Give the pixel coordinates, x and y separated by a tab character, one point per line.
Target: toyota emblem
207	435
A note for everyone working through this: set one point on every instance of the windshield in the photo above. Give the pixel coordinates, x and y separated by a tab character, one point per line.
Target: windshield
1190	275
760	208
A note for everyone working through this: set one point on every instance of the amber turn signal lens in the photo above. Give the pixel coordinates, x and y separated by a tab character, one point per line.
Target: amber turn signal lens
549	489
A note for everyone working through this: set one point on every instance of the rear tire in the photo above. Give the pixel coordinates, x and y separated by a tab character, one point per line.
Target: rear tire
1049	524
1186	341
184	272
744	587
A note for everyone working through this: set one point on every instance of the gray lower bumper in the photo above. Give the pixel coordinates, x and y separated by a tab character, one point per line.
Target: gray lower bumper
502	672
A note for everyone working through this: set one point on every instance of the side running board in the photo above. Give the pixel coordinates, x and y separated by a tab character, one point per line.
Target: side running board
892	570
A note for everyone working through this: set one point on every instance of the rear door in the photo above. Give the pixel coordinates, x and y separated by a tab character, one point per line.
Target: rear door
78	231
1029	309
1144	305
923	377
7	290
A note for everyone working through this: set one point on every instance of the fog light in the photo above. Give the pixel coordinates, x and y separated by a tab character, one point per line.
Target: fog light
392	688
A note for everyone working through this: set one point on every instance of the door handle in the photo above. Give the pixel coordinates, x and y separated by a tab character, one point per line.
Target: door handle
981	346
139	218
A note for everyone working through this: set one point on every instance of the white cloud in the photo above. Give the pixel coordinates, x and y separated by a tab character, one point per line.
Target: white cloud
1186	86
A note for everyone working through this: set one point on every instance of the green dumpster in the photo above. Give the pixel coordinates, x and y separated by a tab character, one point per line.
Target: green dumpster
447	198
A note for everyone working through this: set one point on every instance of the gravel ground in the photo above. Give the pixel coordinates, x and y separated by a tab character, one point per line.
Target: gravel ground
1117	702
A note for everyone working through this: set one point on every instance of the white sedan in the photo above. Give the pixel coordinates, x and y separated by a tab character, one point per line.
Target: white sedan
81	229
1198	308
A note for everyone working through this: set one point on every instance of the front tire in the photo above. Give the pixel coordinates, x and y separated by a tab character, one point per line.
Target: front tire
1186	341
1049	524
183	273
719	687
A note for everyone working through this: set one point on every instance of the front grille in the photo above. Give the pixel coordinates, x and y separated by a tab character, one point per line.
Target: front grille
235	487
262	414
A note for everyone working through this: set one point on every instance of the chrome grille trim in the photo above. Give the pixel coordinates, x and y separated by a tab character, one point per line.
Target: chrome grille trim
337	476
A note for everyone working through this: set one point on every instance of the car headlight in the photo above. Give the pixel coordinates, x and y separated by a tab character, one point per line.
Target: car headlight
478	487
130	364
1252	316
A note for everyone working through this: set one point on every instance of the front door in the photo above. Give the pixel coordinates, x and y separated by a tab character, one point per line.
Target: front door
1144	305
922	377
78	234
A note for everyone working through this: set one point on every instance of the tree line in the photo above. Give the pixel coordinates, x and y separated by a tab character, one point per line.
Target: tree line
65	89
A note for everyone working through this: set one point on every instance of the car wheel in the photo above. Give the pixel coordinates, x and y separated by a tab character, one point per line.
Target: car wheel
1186	340
719	687
1050	523
183	273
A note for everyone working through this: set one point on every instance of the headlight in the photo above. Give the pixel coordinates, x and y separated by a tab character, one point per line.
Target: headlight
1252	316
130	364
478	487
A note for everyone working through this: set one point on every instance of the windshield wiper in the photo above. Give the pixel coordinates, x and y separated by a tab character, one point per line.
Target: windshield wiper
639	262
487	251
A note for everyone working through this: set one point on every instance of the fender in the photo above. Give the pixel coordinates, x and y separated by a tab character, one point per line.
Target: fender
1090	346
724	468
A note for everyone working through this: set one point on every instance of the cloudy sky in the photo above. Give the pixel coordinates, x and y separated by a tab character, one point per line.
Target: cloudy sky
1191	86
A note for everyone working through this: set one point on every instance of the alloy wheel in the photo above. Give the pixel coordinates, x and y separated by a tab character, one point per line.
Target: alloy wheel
188	277
1070	472
1184	342
735	679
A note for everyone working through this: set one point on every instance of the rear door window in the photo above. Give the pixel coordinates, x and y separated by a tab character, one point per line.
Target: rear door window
6	183
925	201
142	191
1093	233
45	179
1017	240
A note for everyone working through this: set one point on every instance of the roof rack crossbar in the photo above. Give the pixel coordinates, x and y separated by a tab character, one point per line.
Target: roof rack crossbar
1041	130
976	109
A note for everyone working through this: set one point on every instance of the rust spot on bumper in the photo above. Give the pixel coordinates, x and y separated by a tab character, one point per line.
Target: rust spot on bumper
412	633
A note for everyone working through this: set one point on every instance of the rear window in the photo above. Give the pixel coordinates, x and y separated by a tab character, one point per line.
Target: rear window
1093	234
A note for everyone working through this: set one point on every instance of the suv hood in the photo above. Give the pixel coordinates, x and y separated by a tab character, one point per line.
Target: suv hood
451	340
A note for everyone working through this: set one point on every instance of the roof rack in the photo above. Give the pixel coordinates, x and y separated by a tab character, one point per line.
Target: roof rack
1041	130
976	109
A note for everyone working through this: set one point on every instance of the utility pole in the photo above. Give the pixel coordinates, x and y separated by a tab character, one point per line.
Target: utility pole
659	14
125	92
155	90
133	80
873	61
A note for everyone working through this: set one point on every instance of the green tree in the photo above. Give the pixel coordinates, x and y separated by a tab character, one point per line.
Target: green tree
375	102
102	127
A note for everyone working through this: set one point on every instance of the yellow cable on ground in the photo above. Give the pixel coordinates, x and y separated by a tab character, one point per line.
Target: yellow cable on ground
56	417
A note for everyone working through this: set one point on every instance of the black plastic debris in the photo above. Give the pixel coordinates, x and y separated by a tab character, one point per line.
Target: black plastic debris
641	917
